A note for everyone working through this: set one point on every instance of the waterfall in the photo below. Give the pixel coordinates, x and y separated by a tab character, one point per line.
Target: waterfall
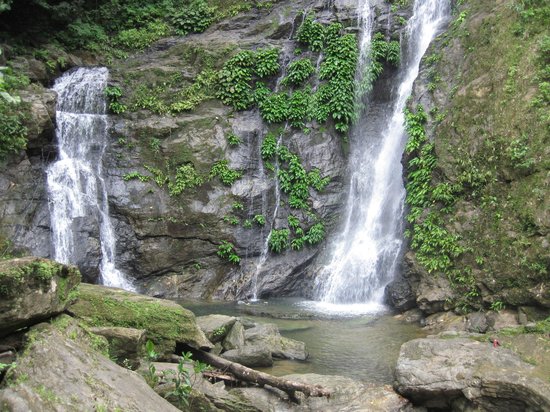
76	187
367	253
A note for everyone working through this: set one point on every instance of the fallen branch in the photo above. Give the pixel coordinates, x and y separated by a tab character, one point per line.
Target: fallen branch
260	378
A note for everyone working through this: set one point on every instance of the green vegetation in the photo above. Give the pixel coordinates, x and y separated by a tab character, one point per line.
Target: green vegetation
186	178
226	250
224	173
14	276
279	240
195	17
13	132
233	139
114	93
298	72
382	52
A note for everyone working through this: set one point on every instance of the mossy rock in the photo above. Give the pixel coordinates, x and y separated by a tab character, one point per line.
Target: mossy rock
32	290
166	322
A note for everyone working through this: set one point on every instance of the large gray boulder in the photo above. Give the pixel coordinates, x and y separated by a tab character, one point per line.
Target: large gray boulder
32	290
61	371
125	344
453	374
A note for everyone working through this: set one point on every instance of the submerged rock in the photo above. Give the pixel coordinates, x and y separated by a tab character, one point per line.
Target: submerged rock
251	356
32	290
166	322
283	348
462	374
61	371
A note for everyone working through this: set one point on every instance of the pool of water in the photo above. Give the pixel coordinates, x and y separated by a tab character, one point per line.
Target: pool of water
340	341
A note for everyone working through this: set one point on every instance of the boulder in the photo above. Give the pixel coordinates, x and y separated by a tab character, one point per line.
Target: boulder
444	321
476	322
280	347
32	290
399	295
235	337
61	371
125	344
502	319
452	374
216	327
251	356
166	322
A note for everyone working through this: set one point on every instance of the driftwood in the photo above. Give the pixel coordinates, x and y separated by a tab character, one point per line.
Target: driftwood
245	374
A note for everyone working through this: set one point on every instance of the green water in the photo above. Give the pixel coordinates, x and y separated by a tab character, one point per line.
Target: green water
364	347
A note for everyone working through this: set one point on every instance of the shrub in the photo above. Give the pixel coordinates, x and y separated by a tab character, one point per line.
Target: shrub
311	34
186	178
226	250
298	72
267	62
13	133
279	240
227	176
194	18
139	39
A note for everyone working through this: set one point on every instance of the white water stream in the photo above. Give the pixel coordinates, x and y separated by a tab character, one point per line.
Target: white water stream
367	253
76	187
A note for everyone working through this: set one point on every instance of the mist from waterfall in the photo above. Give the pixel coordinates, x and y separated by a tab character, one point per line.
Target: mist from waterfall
76	187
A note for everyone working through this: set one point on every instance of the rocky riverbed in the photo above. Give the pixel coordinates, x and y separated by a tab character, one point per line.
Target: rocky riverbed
85	348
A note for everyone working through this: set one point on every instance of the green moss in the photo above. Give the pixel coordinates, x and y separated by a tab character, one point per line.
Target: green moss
165	322
16	274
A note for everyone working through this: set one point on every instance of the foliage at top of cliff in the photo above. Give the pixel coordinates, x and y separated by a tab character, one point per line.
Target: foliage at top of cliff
112	26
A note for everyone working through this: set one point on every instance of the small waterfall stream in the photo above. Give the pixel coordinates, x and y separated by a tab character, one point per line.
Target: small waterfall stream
76	187
367	253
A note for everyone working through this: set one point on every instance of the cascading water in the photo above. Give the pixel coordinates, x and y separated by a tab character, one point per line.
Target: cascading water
76	187
367	253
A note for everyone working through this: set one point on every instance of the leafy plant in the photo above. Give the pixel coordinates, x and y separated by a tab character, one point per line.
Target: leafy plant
139	39
298	72
193	18
259	220
311	34
113	94
13	132
226	250
186	178
315	234
234	79
269	147
267	62
279	240
233	139
226	175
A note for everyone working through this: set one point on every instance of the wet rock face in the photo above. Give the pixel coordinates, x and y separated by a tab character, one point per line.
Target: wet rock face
169	244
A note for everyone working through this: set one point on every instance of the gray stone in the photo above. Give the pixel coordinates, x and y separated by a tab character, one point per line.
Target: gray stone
60	371
445	321
32	290
124	343
477	322
502	319
216	327
283	348
235	337
251	356
437	373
